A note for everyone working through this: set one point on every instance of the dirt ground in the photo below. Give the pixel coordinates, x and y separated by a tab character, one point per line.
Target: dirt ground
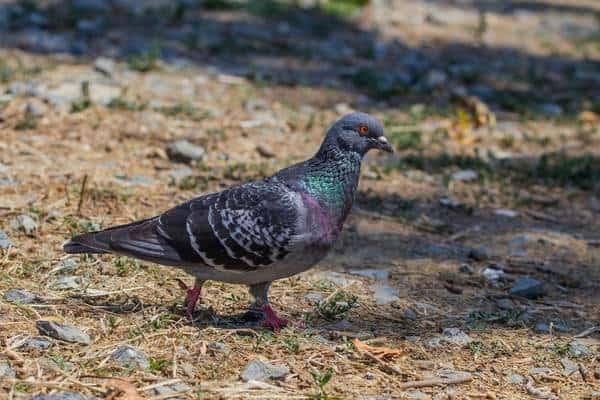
494	110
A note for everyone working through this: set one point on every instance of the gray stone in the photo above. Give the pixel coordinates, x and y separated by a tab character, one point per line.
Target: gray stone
540	371
6	370
372	273
505	212
550	109
128	357
410	314
417	395
528	287
21	296
314	297
456	336
515	379
579	349
105	66
133	180
184	151
25	342
24	223
569	366
172	390
542	327
465	175
258	370
218	347
63	396
179	174
384	294
492	274
448	373
66	283
505	304
67	265
64	332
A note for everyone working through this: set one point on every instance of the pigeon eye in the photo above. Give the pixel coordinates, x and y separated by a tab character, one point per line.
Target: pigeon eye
363	129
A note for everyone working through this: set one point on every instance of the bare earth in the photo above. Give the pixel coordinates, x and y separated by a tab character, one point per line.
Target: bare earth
507	95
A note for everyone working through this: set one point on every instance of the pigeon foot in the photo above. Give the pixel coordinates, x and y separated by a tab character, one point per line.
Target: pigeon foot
191	298
272	320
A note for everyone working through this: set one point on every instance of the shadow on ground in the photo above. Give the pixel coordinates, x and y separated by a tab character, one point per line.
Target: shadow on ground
274	43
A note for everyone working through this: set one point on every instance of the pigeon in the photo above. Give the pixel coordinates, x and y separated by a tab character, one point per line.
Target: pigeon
256	232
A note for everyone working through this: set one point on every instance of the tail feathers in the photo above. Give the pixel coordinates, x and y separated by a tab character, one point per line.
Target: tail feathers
139	239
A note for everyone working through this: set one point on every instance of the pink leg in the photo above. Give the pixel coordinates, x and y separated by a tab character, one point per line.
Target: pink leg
272	320
191	297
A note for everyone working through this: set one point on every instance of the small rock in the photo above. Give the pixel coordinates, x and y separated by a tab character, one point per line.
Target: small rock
21	296
184	151
64	332
550	109
569	366
449	373
24	223
261	371
515	379
417	395
218	347
456	336
578	349
435	78
4	240
313	297
67	283
178	175
264	151
505	212
66	265
105	66
128	357
505	304
410	314
384	294
478	254
6	370
35	108
528	287
466	269
492	274
372	273
172	390
465	175
542	327
540	371
25	342
369	376
63	396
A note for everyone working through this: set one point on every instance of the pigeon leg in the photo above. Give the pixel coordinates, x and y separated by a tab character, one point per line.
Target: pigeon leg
192	296
261	301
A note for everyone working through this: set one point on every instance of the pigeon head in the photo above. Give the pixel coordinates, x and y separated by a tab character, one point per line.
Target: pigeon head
357	132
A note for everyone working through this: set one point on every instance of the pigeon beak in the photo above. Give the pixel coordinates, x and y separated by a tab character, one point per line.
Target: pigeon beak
383	144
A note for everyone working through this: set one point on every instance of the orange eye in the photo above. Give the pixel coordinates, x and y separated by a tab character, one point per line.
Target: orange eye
363	130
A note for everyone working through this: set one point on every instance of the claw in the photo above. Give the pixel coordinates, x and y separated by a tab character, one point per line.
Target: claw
272	320
191	298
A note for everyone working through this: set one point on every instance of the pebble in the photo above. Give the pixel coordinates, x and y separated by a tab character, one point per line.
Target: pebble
258	370
578	349
6	370
505	212
264	151
410	314
384	294
515	379
25	342
465	175
492	274
63	396
314	297
105	66
218	347
417	395
67	283
21	296
450	335
371	273
66	265
185	151
569	366
64	332
171	390
369	376
128	357
542	327
505	304
528	287
24	223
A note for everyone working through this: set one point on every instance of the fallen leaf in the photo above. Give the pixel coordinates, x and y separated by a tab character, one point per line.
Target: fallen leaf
122	389
382	352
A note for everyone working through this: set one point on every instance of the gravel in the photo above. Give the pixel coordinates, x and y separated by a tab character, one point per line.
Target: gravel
258	370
